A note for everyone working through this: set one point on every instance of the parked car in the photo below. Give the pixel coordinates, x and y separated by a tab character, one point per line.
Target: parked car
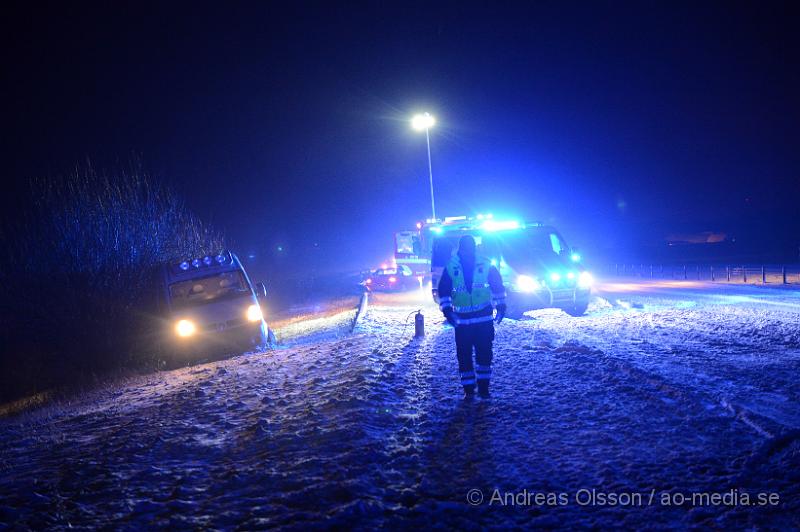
396	279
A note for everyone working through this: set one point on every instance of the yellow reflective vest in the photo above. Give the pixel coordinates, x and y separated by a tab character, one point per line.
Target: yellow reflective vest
480	297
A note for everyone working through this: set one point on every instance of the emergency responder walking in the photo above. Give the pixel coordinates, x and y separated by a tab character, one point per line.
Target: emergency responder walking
469	289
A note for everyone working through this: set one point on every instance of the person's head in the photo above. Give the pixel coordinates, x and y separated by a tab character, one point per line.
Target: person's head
466	246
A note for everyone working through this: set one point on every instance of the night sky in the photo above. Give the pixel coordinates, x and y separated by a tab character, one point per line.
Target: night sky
286	124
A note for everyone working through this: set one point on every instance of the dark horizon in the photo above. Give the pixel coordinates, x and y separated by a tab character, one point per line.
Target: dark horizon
287	126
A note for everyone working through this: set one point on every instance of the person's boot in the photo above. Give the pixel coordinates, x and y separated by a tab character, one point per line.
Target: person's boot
469	392
483	388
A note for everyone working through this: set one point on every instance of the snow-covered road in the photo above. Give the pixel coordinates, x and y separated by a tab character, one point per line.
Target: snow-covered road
663	391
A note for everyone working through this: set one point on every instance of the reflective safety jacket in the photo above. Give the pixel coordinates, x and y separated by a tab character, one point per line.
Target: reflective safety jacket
471	294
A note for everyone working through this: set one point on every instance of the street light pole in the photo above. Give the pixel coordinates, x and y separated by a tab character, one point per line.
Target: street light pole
430	171
426	121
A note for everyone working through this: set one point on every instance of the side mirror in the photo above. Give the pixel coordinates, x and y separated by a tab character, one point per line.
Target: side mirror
261	290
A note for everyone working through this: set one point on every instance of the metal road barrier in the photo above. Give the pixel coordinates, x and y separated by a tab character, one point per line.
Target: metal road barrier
716	273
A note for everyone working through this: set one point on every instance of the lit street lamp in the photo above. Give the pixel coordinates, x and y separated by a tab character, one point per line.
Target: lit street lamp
426	121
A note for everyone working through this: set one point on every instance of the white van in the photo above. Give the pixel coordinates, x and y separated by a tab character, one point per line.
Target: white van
213	308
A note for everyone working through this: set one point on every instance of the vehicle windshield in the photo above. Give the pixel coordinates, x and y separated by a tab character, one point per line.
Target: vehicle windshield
194	292
524	247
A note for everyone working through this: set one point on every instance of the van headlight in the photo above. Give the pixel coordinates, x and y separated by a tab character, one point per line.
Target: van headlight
527	284
585	280
254	313
185	328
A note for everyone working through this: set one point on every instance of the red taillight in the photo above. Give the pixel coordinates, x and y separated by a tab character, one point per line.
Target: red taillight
392	279
369	281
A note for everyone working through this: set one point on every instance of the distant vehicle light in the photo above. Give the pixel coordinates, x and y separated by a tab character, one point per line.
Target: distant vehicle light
185	328
207	260
196	263
555	277
392	279
419	225
368	281
254	313
527	284
185	265
493	262
576	257
495	225
570	275
585	280
222	259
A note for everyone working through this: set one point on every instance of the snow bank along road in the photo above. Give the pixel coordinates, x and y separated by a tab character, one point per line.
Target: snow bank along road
665	393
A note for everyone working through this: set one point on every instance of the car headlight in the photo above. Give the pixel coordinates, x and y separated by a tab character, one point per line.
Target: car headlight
555	277
585	280
185	328
254	313
527	284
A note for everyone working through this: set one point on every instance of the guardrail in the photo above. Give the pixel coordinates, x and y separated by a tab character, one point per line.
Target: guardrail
717	273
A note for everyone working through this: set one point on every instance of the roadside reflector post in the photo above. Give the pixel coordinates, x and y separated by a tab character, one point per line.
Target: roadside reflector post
419	325
698	272
763	275
744	274
684	272
783	272
728	273
712	273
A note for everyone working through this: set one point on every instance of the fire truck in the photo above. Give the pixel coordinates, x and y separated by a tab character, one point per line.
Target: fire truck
539	268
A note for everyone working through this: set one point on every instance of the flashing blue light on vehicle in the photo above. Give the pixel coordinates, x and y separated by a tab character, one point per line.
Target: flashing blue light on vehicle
196	263
437	230
576	257
494	225
493	262
184	265
570	275
555	277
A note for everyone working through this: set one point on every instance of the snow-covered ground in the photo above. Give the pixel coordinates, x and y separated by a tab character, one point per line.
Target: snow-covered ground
662	391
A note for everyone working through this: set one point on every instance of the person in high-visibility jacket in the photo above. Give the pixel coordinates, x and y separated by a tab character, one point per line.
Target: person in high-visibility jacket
469	291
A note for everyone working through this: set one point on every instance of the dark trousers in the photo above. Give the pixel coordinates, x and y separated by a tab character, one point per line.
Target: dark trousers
478	336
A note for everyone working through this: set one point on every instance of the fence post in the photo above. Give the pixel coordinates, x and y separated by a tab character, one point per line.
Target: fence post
783	272
763	275
744	274
712	273
728	273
